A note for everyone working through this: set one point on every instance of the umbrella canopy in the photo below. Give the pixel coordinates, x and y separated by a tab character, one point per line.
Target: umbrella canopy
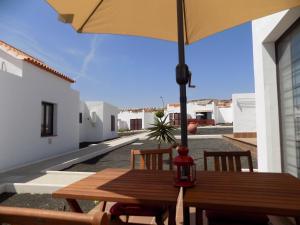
185	21
158	18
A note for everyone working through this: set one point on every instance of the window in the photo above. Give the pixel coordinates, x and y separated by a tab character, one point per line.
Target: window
288	76
175	119
80	117
204	115
112	123
47	119
3	67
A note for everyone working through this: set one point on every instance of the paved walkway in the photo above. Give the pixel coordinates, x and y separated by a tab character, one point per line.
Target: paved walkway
36	170
252	141
46	176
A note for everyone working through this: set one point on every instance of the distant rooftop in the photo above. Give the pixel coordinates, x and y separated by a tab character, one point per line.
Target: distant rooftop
150	109
222	103
17	53
218	102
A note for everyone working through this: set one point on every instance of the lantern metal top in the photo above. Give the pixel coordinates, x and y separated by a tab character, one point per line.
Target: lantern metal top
183	158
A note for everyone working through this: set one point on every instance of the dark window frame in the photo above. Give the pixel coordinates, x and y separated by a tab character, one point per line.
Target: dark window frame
80	118
44	132
112	123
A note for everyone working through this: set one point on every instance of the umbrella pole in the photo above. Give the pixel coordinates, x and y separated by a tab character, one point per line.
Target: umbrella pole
182	73
182	79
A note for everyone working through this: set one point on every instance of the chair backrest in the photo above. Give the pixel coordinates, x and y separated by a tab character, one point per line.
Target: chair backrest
27	216
230	161
151	159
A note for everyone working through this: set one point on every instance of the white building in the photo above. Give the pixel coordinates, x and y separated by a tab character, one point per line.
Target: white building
218	111
223	111
98	121
39	110
276	53
244	115
136	119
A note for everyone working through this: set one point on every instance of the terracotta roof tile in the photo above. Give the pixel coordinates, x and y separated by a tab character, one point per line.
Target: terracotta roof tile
32	60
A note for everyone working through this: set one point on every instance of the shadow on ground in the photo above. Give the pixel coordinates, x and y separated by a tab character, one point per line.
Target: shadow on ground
41	201
210	130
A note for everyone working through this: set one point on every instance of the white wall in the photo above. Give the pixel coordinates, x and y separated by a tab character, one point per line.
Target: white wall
148	119
124	118
224	114
20	116
219	114
109	110
172	109
244	115
192	108
265	32
9	63
91	128
96	121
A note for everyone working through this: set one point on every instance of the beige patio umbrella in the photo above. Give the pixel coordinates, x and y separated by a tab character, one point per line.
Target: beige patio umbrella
185	21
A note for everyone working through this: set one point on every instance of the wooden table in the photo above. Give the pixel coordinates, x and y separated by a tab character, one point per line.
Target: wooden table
266	193
127	186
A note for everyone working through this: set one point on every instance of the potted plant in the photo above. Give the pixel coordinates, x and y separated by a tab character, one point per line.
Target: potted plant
161	130
192	126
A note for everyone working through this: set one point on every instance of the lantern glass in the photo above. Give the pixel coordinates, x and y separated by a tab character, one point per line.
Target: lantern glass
185	175
184	172
193	173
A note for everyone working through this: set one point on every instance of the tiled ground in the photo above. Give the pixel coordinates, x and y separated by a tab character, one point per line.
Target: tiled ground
120	158
40	201
210	130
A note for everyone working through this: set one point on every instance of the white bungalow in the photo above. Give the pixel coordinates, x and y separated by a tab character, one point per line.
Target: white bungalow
276	54
136	119
98	121
216	111
39	110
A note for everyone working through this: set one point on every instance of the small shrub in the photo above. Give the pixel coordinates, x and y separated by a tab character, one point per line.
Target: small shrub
160	114
161	130
123	130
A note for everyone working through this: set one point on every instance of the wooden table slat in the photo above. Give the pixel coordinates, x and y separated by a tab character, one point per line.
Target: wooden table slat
269	193
128	186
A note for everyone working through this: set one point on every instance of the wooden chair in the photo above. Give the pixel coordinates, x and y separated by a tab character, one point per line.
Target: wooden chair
152	160
231	162
27	216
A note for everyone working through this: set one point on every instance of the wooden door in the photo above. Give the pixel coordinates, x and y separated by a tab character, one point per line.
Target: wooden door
136	124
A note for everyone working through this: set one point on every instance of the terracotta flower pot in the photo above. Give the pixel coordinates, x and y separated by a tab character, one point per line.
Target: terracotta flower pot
192	127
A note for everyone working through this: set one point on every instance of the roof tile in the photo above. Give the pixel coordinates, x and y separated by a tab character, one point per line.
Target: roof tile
32	60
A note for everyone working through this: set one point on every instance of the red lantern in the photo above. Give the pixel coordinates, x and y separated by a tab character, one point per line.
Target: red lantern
185	174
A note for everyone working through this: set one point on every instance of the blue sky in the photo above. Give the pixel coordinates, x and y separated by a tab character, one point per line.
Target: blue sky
129	71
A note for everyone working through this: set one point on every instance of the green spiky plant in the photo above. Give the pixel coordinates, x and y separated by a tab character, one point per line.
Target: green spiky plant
161	130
